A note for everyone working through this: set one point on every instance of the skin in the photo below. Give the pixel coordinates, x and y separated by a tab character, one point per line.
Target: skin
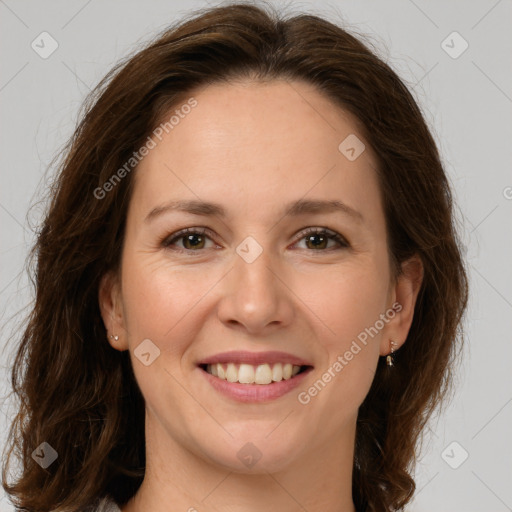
254	147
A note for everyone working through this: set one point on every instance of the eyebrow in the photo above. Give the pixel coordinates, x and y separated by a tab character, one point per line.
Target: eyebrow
294	209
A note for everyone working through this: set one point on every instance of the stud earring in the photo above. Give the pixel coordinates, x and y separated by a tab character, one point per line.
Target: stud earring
115	338
389	357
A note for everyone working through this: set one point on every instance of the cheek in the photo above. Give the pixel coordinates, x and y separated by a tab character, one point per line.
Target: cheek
345	300
161	302
349	304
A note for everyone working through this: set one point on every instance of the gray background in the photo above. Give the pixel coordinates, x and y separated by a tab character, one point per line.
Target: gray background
467	102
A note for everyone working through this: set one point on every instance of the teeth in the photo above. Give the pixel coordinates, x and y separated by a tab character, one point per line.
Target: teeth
277	372
232	373
249	374
246	374
263	374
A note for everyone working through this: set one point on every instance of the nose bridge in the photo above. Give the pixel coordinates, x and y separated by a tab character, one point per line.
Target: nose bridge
254	297
254	279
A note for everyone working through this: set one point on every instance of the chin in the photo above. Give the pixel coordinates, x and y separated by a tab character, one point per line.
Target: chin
256	453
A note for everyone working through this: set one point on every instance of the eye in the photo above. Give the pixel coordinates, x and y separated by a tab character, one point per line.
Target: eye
322	237
194	239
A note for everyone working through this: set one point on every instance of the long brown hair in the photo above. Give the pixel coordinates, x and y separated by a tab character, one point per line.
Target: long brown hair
80	395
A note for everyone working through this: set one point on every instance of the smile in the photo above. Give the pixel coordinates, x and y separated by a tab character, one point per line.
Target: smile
254	377
262	374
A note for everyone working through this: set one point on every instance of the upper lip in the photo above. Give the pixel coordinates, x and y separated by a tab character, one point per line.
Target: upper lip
255	358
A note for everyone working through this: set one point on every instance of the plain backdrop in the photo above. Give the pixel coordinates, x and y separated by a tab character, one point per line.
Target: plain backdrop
455	58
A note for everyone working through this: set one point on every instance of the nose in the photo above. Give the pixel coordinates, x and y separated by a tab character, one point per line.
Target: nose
255	297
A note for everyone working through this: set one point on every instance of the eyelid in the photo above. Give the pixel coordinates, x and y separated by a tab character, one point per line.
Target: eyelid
333	235
343	243
166	241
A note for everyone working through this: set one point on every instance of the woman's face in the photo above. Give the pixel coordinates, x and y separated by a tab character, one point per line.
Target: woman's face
249	279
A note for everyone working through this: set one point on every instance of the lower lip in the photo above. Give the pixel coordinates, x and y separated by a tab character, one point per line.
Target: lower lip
254	393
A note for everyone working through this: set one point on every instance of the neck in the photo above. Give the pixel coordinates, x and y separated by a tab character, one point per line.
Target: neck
319	480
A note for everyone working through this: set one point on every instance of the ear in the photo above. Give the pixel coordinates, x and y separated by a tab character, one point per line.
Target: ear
403	300
109	298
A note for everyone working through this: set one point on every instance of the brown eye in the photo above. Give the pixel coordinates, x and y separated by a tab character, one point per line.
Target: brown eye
193	239
318	238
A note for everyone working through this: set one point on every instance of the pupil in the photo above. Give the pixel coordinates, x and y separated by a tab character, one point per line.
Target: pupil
190	237
311	237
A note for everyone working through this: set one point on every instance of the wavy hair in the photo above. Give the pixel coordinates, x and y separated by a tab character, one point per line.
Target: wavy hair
76	392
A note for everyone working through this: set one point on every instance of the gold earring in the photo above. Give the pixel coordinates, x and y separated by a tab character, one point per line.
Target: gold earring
115	338
389	357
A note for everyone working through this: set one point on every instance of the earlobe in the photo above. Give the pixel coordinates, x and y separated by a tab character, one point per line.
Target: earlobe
109	300
406	293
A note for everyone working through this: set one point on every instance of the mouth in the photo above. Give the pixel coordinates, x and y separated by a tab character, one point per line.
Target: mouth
254	374
254	377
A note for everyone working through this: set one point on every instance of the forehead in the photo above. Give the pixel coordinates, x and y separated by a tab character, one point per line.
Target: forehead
256	144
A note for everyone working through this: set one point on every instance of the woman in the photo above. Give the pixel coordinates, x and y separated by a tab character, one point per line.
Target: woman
248	286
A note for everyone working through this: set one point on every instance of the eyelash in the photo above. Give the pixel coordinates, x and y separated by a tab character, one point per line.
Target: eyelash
331	235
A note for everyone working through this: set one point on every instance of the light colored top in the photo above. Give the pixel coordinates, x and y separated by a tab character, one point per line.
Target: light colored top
107	505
